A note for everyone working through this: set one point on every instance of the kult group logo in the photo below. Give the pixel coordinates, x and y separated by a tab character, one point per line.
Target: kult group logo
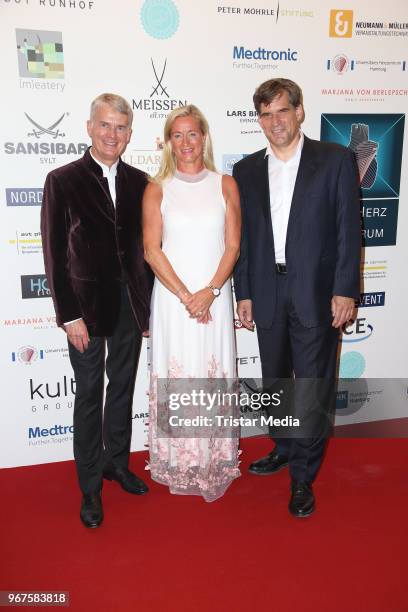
376	141
40	54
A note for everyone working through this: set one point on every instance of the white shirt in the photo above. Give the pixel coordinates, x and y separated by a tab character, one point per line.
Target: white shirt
110	174
282	178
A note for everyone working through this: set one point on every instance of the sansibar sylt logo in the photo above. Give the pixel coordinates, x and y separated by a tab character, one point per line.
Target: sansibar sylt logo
40	54
49	130
34	286
160	18
341	23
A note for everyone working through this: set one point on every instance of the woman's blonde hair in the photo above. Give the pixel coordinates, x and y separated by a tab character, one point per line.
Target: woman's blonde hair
168	161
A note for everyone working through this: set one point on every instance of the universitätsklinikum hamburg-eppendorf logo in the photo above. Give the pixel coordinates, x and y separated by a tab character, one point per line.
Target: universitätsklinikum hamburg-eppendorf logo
160	18
40	54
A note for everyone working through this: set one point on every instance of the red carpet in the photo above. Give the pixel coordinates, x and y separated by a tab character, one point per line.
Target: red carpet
241	553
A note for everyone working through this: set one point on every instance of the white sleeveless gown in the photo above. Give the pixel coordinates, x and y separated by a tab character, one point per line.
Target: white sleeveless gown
193	215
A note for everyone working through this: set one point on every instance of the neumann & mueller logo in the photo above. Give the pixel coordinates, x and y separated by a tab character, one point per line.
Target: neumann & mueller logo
159	98
341	23
40	54
34	286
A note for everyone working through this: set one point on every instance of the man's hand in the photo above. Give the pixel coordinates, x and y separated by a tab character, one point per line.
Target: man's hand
78	335
244	312
342	310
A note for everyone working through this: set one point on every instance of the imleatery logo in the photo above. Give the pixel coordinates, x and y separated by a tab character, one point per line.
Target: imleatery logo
40	54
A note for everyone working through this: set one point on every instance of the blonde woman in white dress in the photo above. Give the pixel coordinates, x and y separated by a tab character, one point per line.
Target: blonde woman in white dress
191	229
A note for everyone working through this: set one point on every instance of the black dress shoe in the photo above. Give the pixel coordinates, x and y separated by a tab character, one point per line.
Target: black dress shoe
302	501
91	510
268	465
127	480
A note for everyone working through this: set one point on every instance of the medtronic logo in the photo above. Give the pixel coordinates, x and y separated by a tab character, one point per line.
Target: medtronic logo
359	331
371	299
24	196
34	286
55	430
341	23
264	54
160	18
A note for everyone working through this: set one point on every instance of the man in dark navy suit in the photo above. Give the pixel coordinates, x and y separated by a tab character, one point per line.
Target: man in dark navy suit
299	270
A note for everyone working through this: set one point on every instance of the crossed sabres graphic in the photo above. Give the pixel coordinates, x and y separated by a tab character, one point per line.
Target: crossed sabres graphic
42	130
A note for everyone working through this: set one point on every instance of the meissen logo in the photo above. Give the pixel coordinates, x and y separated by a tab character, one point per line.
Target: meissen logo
34	286
159	99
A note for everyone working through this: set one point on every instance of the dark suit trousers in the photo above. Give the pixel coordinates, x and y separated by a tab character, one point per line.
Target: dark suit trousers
309	353
103	435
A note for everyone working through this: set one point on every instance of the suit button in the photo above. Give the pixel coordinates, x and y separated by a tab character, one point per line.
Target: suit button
119	228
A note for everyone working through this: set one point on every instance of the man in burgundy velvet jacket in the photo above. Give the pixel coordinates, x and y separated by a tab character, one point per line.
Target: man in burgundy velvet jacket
100	285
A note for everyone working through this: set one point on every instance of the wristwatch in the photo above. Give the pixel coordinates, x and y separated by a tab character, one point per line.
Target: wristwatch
215	290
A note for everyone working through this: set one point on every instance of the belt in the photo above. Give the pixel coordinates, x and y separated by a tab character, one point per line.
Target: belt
281	268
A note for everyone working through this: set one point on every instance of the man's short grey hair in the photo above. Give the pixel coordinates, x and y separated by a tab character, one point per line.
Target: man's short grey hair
116	102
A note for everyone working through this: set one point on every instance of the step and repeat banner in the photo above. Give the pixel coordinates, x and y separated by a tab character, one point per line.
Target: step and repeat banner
57	55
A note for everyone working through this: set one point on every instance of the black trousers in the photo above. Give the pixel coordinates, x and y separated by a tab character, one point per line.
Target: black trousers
103	435
288	349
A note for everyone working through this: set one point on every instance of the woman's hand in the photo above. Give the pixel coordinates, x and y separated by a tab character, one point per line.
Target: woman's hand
198	305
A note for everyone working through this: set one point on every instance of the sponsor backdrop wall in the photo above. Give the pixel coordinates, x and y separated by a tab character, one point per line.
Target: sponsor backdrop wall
57	55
